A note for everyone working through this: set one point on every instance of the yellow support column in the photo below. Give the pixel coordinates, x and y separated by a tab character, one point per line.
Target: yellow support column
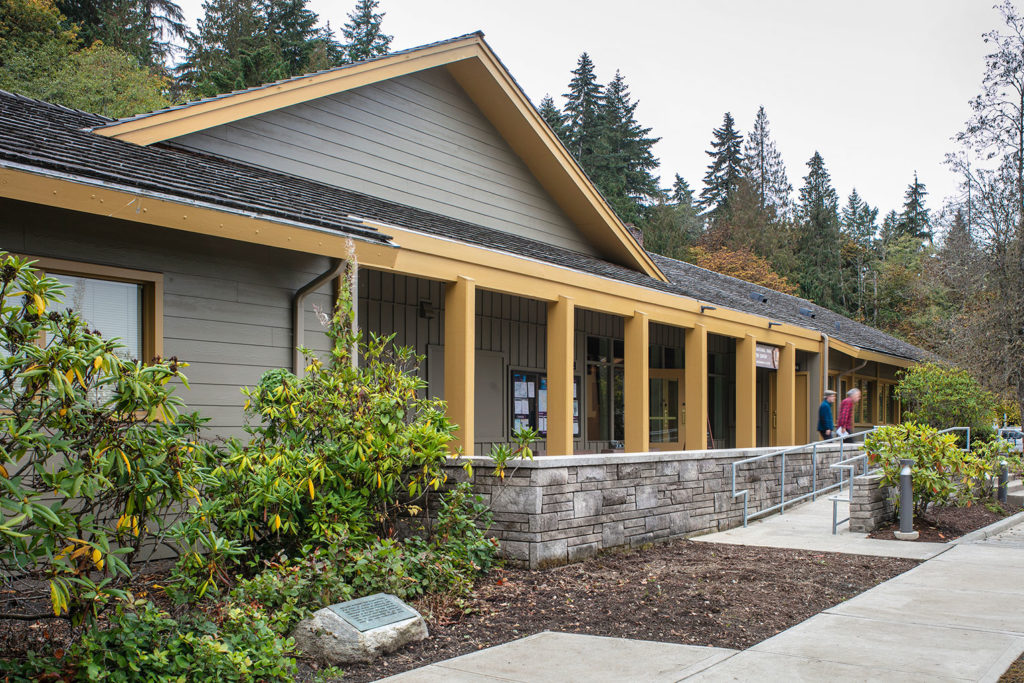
786	399
561	341
460	359
696	353
638	392
746	392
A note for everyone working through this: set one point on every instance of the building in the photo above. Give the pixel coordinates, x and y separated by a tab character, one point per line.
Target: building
211	230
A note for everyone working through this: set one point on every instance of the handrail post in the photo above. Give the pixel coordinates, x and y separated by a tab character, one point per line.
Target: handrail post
814	472
783	482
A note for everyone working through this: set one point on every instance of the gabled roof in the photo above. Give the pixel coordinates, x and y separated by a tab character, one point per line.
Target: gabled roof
487	83
50	139
42	136
737	294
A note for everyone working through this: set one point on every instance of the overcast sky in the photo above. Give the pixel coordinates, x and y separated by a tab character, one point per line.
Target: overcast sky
877	86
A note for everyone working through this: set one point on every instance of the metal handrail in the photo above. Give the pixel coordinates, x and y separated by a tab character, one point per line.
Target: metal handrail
782	477
844	466
967	448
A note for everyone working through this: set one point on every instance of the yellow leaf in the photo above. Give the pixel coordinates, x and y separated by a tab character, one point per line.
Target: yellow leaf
380	482
97	362
125	458
40	304
291	409
56	599
3	472
68	375
81	380
312	495
97	559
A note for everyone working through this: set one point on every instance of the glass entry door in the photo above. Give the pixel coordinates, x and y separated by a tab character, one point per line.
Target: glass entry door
668	410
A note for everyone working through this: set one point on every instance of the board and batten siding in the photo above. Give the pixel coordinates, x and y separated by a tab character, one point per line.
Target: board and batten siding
227	305
417	140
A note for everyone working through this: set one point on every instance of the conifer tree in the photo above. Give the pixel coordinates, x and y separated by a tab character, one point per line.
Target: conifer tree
818	237
915	219
624	174
584	123
681	194
364	38
148	30
550	113
858	220
890	230
725	169
859	228
765	169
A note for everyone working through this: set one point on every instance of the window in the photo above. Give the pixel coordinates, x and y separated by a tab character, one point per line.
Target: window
122	303
605	381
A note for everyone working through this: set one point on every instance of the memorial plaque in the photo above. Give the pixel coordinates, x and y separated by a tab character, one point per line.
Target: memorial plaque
373	611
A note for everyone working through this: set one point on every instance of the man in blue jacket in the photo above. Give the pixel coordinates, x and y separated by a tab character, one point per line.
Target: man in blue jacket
825	426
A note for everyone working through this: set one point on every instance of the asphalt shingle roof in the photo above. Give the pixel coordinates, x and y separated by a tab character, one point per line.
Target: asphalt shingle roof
51	138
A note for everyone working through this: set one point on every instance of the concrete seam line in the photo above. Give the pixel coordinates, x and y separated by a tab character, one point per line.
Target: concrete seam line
991	530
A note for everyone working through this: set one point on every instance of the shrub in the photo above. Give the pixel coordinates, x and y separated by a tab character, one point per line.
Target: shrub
237	644
94	452
335	457
942	473
942	396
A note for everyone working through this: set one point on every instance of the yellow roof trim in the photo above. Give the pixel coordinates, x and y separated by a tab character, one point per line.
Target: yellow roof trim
488	84
864	354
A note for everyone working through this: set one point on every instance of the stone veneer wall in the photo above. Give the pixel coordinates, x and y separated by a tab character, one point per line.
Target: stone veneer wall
559	509
871	505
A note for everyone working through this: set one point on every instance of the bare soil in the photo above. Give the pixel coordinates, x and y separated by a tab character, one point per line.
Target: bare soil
682	592
942	524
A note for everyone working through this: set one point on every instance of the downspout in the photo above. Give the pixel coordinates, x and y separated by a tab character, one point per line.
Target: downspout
824	364
298	305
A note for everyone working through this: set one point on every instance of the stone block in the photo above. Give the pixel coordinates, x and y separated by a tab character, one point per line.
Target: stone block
586	503
332	641
548	554
581	552
515	550
544	522
555	476
613	534
646	497
631	471
525	499
680	496
611	497
591	473
668	468
688	471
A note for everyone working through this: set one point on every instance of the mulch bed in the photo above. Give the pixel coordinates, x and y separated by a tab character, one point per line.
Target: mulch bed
943	524
682	592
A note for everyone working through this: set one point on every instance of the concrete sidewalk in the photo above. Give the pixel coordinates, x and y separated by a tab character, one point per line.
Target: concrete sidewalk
808	526
956	617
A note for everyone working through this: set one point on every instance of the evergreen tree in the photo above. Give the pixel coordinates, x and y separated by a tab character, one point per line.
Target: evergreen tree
149	30
915	219
890	230
624	174
364	38
859	228
681	194
245	43
671	230
550	113
858	220
765	169
819	238
725	170
584	123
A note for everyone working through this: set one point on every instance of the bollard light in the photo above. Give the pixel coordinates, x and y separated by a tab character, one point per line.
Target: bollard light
1004	478
906	532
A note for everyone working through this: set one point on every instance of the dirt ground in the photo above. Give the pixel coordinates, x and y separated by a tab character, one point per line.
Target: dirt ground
939	525
683	592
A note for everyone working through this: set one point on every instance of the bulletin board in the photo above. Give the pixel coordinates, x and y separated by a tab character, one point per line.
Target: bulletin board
529	402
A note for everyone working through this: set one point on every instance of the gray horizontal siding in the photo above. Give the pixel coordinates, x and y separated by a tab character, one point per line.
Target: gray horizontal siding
227	306
417	139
